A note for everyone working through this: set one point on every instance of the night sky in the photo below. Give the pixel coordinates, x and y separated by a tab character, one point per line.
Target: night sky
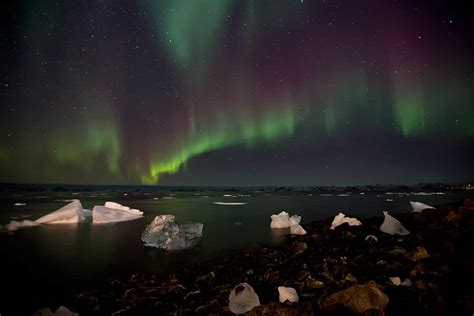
221	92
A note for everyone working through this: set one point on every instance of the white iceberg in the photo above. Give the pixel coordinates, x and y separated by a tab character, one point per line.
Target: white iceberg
341	218
15	225
118	206
281	220
242	299
70	213
419	207
230	203
164	233
113	212
295	220
297	230
397	281
392	226
288	294
20	204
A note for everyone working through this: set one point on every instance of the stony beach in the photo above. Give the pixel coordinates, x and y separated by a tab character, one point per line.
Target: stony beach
333	271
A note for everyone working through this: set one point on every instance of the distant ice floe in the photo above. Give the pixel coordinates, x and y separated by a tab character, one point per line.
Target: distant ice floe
68	214
242	299
343	194
113	212
287	294
392	226
167	198
164	233
341	218
325	194
419	207
283	220
415	193
389	200
229	195
19	204
230	203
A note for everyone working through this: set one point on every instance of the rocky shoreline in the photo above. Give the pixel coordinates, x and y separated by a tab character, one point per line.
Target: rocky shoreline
334	272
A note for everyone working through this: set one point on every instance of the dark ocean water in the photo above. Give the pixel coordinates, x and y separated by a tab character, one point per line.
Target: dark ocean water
42	264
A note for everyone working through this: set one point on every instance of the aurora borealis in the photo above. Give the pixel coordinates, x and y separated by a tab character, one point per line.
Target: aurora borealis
227	92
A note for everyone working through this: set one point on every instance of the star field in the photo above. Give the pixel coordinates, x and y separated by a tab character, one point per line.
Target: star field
224	92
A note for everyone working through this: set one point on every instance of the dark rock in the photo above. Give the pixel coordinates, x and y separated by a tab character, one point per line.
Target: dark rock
283	309
418	254
204	281
299	248
358	299
43	312
212	307
453	217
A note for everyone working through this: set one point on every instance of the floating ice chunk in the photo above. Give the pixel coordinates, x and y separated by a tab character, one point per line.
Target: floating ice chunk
297	230
103	215
15	225
288	294
167	198
362	193
281	220
392	226
242	299
118	206
295	220
230	203
373	237
397	281
325	194
164	233
20	204
70	213
343	194
419	207
340	219
389	200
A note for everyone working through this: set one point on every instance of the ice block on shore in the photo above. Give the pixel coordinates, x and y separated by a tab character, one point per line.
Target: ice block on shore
392	226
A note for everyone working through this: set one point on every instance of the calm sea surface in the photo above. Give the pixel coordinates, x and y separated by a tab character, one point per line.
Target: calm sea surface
39	264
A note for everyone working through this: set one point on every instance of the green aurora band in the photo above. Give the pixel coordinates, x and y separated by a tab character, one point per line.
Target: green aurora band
269	129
